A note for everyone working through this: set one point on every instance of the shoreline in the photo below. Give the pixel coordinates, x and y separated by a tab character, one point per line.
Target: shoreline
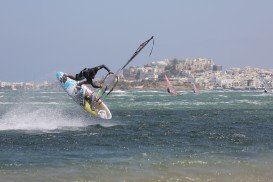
143	85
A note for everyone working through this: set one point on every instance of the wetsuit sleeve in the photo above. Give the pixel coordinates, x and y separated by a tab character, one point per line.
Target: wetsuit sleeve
103	66
80	76
93	84
83	82
88	82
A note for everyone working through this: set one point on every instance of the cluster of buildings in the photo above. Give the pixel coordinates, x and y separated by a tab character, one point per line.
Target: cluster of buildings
201	71
25	85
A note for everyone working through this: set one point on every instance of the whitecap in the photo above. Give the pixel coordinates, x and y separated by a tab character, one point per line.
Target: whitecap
190	162
238	135
248	102
44	103
51	92
145	91
223	96
118	91
7	103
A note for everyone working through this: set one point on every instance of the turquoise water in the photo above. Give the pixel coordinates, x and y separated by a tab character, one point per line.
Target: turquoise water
211	136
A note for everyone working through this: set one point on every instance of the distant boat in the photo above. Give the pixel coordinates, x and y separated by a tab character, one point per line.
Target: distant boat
170	88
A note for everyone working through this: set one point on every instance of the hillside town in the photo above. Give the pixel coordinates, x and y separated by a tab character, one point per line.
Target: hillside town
203	72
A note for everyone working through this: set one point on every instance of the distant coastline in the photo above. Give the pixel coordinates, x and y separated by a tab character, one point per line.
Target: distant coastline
146	85
203	72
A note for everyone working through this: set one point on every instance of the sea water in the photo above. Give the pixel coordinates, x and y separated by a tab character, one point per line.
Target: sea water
210	136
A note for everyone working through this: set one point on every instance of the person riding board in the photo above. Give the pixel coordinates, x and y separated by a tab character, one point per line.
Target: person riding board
89	74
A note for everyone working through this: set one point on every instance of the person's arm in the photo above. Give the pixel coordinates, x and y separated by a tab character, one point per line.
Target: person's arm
95	85
105	67
71	76
89	82
78	76
83	82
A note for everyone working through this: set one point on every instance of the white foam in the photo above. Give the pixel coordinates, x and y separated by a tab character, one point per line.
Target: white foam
50	92
223	96
119	95
145	91
249	102
6	103
44	103
32	103
147	95
257	95
118	91
45	119
41	120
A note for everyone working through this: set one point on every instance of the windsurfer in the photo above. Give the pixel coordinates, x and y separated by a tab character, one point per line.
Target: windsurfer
89	74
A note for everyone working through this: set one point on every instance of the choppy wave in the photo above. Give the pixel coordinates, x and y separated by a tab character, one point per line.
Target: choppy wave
51	92
223	96
207	137
32	103
6	103
44	103
249	102
120	95
141	91
257	95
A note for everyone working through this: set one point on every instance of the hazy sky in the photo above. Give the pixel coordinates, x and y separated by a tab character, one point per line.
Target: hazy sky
38	38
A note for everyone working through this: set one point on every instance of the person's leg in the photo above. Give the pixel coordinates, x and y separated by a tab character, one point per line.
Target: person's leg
91	97
71	76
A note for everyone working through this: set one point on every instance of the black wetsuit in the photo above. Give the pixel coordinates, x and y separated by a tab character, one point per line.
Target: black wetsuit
89	74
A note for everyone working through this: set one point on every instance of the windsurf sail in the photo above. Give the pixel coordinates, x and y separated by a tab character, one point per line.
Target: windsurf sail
170	88
193	84
138	51
265	84
194	88
111	80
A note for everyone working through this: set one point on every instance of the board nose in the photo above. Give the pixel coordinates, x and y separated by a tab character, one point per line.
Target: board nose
59	75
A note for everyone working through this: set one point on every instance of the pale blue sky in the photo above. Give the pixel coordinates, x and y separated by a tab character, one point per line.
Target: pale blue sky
38	38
